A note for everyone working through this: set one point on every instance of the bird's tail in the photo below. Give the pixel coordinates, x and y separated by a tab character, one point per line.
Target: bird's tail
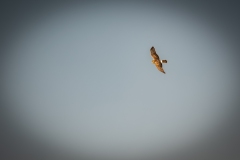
164	61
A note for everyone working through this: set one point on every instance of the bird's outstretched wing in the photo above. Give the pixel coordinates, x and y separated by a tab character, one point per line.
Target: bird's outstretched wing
159	67
154	54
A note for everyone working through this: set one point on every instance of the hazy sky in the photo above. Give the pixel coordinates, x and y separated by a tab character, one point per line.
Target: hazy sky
83	80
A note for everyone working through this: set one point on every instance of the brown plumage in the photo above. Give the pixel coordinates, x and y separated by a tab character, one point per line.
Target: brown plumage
156	60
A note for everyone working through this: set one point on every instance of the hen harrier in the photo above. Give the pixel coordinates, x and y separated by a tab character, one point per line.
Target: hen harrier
156	60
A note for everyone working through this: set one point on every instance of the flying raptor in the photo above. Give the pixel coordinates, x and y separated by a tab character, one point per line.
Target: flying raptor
156	60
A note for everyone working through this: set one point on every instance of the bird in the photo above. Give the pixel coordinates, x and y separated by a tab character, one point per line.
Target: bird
156	60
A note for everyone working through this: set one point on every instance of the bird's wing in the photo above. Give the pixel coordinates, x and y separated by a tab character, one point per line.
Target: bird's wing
153	53
159	67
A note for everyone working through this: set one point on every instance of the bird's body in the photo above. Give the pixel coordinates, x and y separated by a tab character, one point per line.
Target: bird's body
156	60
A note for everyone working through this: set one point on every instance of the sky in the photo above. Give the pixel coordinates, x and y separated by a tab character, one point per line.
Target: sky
79	78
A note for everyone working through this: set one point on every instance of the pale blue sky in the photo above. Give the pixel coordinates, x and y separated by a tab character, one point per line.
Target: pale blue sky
85	81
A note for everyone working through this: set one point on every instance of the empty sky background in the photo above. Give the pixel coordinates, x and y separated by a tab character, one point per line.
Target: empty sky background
78	81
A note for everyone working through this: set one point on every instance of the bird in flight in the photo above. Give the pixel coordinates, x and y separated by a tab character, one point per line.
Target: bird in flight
156	60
